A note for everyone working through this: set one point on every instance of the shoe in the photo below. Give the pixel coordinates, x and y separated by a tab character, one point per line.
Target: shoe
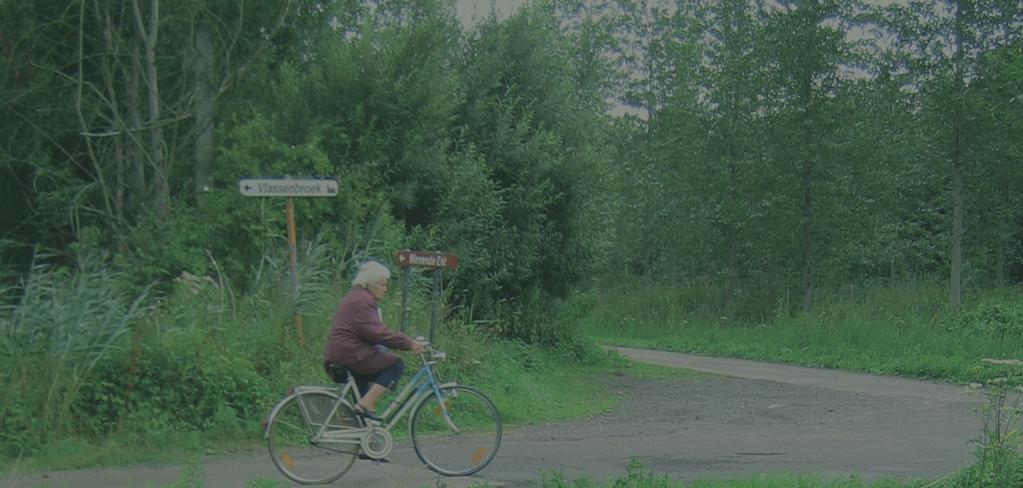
363	455
366	414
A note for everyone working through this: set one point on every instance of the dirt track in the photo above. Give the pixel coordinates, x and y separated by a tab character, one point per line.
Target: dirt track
775	419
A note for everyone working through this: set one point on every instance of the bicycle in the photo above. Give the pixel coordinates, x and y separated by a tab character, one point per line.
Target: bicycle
455	429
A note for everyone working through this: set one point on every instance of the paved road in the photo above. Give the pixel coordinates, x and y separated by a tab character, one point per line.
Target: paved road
742	418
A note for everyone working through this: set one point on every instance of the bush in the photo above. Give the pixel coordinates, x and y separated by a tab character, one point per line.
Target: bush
65	324
1000	319
183	380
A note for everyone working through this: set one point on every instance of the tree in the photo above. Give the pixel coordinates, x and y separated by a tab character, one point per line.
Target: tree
808	45
948	41
121	65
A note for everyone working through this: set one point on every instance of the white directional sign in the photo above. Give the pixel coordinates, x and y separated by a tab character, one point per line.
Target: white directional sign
287	187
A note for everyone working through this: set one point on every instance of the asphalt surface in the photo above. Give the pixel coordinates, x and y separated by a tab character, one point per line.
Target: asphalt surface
742	418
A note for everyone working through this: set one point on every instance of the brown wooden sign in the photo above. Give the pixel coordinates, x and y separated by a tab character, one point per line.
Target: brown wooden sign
425	259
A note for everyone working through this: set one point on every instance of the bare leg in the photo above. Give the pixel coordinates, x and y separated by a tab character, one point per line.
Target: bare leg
369	401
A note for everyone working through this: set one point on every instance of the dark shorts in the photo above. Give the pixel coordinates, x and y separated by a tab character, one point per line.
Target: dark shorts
387	378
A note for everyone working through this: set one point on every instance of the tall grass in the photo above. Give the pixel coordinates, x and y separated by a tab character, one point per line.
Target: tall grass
903	329
86	359
62	324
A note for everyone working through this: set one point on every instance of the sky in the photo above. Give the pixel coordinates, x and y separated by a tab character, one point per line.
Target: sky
468	10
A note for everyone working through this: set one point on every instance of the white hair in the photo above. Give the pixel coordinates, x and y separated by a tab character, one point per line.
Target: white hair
371	273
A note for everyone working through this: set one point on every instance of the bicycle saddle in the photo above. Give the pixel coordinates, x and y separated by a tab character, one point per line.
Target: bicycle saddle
337	373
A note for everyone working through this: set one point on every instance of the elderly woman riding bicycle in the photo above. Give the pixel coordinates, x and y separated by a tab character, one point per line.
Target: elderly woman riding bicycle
357	333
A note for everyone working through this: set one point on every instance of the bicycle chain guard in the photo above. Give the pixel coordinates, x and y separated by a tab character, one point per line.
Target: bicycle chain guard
377	443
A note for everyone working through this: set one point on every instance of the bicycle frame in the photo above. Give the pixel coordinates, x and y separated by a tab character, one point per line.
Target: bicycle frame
421	384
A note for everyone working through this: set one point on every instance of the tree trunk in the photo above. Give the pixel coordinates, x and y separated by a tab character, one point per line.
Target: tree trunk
204	99
806	186
956	279
956	251
136	153
807	235
97	166
161	192
120	164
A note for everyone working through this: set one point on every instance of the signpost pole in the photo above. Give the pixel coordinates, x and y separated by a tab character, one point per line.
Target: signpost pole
293	265
404	297
436	297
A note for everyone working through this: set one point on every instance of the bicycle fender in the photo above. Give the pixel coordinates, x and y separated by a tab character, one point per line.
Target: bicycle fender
315	389
298	391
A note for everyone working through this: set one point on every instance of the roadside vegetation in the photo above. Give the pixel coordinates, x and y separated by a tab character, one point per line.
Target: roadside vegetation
903	329
113	378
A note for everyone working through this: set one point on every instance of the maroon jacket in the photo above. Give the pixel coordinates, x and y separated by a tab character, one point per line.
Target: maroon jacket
355	331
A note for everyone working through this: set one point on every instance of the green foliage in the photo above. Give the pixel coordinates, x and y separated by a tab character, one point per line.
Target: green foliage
190	476
82	360
200	367
999	461
180	383
637	476
842	331
521	118
1000	319
53	339
507	371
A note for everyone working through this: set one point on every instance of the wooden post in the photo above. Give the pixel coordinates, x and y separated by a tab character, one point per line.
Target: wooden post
293	265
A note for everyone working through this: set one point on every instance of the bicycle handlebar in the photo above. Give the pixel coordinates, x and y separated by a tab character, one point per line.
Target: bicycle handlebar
428	349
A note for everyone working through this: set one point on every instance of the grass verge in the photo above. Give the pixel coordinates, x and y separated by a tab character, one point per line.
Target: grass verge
638	476
899	330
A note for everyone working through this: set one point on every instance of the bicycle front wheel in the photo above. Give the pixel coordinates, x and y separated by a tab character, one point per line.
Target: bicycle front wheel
458	433
296	450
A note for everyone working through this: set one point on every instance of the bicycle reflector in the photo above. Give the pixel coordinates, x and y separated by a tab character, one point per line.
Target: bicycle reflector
439	408
286	459
479	455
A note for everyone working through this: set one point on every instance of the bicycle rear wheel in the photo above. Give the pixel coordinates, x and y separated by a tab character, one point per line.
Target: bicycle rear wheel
290	440
465	442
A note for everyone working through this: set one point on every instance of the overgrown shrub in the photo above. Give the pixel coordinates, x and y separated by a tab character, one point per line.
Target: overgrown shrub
64	323
185	379
82	355
1000	319
999	462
